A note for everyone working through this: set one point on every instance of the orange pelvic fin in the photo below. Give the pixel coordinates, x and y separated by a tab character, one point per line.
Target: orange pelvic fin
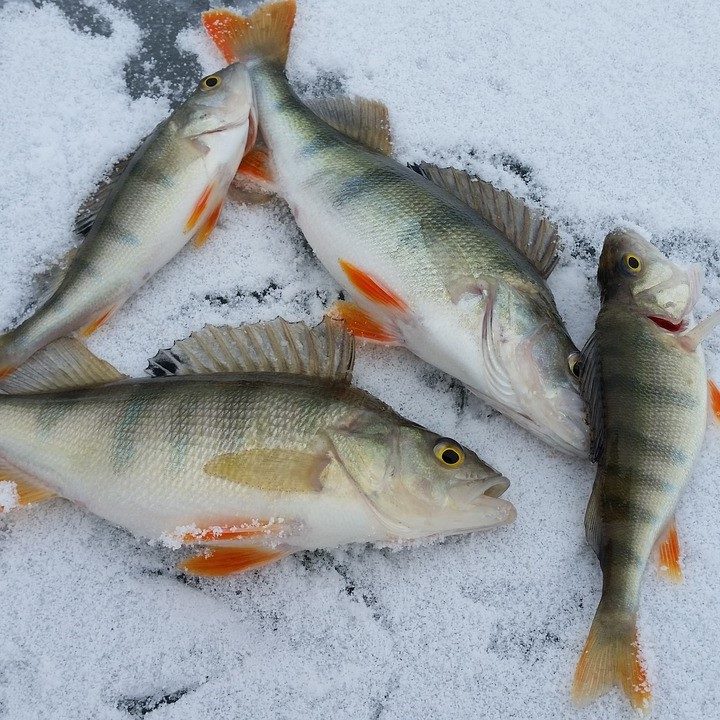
669	554
208	226
243	528
360	324
371	288
611	656
199	208
6	371
257	166
265	33
219	562
714	399
97	322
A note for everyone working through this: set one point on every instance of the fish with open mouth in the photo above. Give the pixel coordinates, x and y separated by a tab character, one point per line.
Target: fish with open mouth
644	378
442	264
247	444
169	192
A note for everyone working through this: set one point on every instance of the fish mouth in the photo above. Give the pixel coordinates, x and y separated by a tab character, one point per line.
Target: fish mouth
223	128
498	487
477	493
668	324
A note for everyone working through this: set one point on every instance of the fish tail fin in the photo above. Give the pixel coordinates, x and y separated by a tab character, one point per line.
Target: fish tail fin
611	656
265	33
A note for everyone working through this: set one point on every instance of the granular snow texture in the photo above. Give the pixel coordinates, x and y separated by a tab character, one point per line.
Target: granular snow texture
601	112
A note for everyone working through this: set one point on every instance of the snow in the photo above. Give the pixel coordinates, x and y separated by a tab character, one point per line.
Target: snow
603	113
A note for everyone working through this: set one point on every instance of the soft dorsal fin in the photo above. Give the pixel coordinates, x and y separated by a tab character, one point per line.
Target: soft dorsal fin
527	228
366	121
325	351
65	364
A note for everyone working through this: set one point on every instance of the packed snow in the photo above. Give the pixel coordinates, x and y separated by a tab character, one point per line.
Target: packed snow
602	113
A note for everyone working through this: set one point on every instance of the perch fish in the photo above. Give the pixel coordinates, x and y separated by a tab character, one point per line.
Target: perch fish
248	444
435	261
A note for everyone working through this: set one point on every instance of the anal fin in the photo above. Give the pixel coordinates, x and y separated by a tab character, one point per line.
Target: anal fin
221	561
361	324
669	553
21	488
97	322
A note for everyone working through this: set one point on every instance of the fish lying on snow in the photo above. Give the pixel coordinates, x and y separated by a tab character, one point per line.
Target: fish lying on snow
169	192
447	266
644	378
256	447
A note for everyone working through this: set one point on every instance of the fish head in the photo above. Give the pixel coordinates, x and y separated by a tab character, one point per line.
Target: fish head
222	101
633	269
420	484
531	368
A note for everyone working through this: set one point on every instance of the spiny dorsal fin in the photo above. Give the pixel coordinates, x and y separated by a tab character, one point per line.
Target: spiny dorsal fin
325	351
366	121
527	228
591	391
92	206
65	364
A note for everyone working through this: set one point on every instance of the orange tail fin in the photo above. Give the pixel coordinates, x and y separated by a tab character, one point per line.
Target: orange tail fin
266	33
669	554
611	656
714	399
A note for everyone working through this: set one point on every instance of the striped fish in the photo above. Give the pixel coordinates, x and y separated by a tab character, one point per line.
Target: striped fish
169	192
644	378
437	262
248	444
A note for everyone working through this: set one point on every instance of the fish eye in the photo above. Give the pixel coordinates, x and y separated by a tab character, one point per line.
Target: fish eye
632	263
210	82
575	364
449	453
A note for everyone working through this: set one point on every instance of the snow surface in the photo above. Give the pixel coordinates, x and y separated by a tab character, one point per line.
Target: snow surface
602	112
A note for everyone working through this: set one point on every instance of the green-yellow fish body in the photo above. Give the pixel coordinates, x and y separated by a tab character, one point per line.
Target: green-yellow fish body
645	382
271	452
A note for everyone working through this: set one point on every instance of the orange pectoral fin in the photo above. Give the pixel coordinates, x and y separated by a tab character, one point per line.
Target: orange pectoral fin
199	208
208	226
669	554
227	561
714	399
361	324
96	323
371	288
6	371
